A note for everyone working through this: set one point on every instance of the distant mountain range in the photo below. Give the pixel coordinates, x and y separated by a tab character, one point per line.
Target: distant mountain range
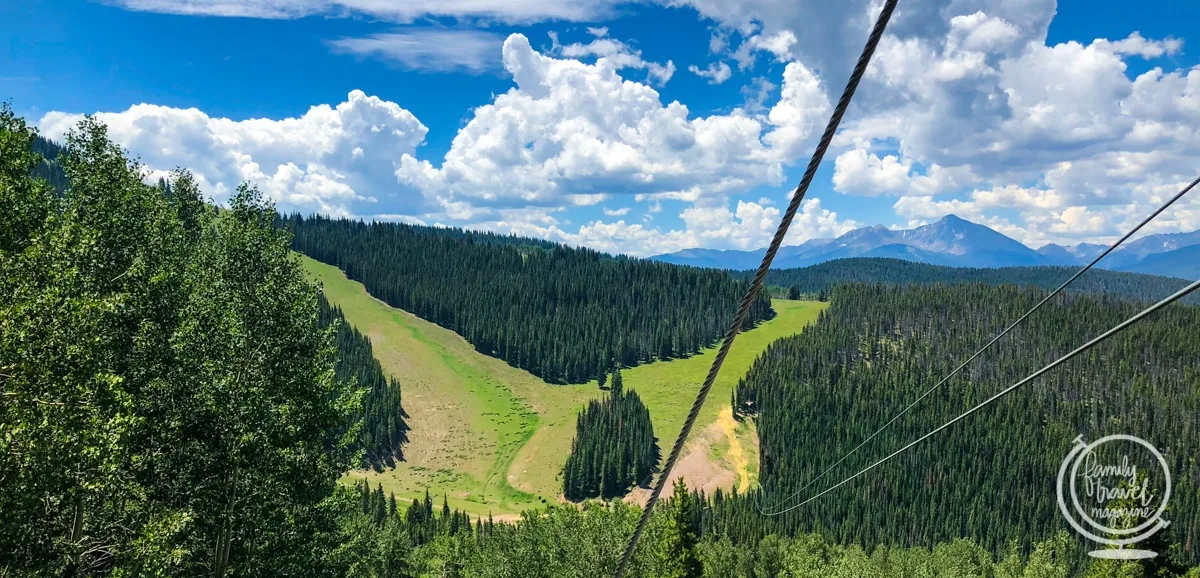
957	242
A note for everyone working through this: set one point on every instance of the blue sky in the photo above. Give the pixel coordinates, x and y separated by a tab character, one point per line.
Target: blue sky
1008	113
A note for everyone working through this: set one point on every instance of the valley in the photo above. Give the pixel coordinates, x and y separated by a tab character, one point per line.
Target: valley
494	437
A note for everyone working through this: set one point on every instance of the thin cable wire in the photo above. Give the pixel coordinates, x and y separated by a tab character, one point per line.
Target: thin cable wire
1121	327
1085	269
826	138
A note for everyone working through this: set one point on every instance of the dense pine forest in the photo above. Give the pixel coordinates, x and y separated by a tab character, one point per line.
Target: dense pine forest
821	278
381	417
49	169
564	314
614	447
818	394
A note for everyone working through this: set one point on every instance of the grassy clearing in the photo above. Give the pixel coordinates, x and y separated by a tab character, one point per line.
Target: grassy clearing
493	437
669	387
469	413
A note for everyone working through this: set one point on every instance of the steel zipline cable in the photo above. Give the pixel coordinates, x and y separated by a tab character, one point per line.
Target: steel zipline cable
826	138
998	337
1082	348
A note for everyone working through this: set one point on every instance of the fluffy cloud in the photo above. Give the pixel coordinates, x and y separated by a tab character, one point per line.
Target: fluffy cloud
778	44
828	36
858	172
1136	45
569	134
619	54
570	128
749	225
428	49
716	72
965	99
802	111
861	172
964	109
326	160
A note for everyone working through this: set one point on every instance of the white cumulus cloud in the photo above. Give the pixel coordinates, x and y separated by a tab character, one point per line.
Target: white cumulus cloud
716	72
620	54
569	128
328	160
749	225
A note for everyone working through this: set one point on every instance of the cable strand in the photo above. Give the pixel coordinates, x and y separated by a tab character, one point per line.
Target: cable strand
735	326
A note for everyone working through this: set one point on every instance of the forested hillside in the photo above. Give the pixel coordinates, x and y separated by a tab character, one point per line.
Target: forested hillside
50	168
381	417
824	276
614	447
561	313
818	394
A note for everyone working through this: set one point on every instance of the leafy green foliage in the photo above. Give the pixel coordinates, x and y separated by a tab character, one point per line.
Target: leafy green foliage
586	543
817	395
614	447
561	313
167	396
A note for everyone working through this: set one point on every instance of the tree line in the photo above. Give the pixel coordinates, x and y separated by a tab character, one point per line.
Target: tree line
380	418
614	447
570	542
821	278
564	314
817	395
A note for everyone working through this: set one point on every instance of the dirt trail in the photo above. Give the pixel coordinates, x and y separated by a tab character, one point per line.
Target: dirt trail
735	457
704	466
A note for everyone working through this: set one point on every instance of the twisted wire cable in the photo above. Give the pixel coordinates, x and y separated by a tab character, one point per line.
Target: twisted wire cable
826	138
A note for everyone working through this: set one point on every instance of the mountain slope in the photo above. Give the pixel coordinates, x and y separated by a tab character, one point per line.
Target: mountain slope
953	242
563	314
714	258
1129	254
824	276
1056	254
1183	263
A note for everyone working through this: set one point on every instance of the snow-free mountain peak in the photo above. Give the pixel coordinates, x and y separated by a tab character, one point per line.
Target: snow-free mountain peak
952	241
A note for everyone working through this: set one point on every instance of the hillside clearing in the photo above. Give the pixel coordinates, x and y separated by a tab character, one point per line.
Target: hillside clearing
493	437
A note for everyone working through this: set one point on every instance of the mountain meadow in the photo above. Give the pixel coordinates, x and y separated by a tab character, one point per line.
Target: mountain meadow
194	390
